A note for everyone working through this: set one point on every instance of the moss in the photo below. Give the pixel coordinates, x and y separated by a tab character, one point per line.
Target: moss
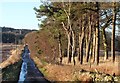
12	72
43	70
43	62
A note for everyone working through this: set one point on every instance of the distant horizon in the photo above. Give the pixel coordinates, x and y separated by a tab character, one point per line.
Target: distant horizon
17	28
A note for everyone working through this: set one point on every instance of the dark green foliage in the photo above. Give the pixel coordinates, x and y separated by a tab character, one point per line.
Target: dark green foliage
8	38
11	72
76	16
11	35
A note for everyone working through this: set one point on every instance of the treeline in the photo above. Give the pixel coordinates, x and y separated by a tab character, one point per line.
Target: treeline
82	29
11	35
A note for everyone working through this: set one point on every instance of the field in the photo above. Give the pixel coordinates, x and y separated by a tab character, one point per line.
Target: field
11	61
6	50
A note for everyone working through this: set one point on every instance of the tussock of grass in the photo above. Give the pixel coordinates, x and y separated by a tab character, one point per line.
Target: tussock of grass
40	65
44	62
43	70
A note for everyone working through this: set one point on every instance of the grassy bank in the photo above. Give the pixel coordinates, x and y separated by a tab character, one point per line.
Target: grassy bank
11	72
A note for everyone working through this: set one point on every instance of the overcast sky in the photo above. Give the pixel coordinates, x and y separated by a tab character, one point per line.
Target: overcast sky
19	15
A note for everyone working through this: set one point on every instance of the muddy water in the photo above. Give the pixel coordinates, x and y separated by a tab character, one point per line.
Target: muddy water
23	72
29	72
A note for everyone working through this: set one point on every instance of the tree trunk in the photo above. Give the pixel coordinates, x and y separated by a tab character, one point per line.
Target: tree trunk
80	32
70	30
68	48
97	35
89	40
105	44
97	46
73	46
86	40
81	47
68	33
94	44
81	42
60	53
113	32
60	50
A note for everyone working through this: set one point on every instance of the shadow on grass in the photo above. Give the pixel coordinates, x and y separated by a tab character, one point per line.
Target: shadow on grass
11	73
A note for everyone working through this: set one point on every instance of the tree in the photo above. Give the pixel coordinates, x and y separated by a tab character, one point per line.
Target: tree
104	23
82	23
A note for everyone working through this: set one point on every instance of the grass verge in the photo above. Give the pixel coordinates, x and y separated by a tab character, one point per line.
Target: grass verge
12	72
43	71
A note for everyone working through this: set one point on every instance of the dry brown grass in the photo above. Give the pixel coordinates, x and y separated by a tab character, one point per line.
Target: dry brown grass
71	73
66	72
14	57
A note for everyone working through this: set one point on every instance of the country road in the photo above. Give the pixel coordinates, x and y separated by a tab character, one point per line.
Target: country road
29	72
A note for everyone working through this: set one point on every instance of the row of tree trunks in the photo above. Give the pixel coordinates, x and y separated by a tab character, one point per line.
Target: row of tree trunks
81	40
70	35
92	17
92	37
